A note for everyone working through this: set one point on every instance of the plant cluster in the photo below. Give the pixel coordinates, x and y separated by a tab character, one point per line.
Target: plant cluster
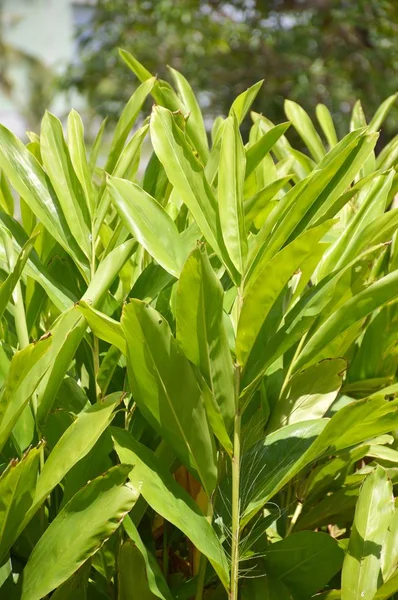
198	360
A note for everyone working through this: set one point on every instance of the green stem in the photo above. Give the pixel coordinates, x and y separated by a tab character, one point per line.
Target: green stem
19	309
96	360
203	560
233	595
295	516
292	363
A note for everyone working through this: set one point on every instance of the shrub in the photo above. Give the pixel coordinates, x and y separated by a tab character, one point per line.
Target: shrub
198	361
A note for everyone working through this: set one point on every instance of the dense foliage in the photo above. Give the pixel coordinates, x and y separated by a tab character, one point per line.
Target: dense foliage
199	357
328	51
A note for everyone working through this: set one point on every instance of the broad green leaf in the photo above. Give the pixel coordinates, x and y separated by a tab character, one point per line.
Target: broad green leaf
149	223
304	562
126	122
78	157
326	122
74	588
132	578
359	306
155	578
29	180
71	326
256	153
241	105
309	393
77	532
372	201
7	287
270	462
373	514
381	113
17	489
74	444
197	131
305	128
258	296
58	165
313	305
254	206
311	198
103	326
27	367
34	268
166	389
96	147
262	587
186	174
170	500
289	449
389	553
389	588
125	167
231	175
201	332
6	197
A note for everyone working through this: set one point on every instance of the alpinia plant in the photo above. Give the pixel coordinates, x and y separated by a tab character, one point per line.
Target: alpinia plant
199	358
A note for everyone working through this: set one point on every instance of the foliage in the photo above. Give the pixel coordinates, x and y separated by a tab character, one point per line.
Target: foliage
312	51
198	359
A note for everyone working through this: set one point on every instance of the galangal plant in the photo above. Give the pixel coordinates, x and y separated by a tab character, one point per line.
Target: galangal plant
199	357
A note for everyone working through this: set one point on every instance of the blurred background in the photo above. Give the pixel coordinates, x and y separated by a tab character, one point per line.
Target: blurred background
60	54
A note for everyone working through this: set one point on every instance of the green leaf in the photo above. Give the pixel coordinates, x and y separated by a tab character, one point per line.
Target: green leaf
156	581
126	122
77	532
259	298
359	306
373	514
356	236
381	113
27	367
326	122
149	223
186	174
255	207
17	489
167	392
231	175
78	157
256	153
74	444
389	553
103	326
58	165
95	148
269	463
305	128
29	180
202	336
304	562
241	105
389	588
309	393
168	499
132	578
197	130
7	287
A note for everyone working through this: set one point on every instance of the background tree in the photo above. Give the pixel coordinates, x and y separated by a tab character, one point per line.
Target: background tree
330	51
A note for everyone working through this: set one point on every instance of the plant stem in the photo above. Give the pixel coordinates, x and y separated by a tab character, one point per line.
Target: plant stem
203	559
96	360
294	518
233	595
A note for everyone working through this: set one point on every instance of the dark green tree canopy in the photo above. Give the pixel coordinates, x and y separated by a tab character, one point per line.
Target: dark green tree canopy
329	51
